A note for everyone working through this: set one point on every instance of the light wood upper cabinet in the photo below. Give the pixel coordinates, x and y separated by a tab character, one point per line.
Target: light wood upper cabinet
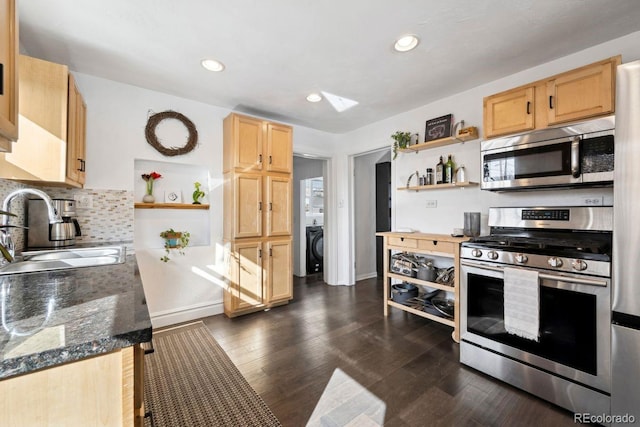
243	150
279	148
509	112
52	127
279	284
76	134
586	92
279	206
257	145
8	74
575	95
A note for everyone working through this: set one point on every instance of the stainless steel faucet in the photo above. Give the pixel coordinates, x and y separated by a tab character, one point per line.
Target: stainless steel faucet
5	236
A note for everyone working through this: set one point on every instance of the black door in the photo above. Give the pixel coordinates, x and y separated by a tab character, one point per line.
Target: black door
383	208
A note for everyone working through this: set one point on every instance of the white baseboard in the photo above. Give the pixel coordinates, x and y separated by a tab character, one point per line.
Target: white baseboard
184	314
366	276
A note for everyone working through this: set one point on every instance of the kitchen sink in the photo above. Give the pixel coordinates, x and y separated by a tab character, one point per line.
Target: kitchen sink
59	259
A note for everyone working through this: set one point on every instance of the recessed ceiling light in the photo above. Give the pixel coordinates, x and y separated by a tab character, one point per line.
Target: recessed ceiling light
406	43
314	97
212	65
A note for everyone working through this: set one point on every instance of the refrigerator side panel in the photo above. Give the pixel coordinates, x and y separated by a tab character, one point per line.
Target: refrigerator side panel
626	192
626	372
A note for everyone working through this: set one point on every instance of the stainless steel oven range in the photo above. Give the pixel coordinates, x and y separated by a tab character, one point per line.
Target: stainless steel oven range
536	303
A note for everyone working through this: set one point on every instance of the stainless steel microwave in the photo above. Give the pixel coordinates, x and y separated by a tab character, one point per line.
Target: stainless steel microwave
569	156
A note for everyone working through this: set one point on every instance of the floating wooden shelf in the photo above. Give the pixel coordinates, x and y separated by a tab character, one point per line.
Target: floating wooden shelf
467	136
439	186
169	206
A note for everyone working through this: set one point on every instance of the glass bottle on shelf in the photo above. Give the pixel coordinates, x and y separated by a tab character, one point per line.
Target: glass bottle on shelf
449	169
440	172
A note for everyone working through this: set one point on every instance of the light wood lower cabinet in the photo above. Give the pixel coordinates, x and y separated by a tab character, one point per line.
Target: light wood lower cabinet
279	281
429	245
104	390
259	275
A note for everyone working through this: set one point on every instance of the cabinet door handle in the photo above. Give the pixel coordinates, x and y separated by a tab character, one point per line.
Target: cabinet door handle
528	108
270	251
551	102
82	167
259	206
270	206
270	160
259	158
259	253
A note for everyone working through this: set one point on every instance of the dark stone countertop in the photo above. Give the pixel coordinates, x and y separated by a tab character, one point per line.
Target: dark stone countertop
62	316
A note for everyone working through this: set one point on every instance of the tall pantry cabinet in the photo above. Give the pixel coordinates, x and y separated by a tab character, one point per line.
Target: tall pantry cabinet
258	212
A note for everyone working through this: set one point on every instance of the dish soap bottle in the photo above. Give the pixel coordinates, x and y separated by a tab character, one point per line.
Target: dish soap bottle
449	169
440	172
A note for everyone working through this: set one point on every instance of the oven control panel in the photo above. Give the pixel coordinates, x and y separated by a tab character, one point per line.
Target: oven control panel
536	261
546	214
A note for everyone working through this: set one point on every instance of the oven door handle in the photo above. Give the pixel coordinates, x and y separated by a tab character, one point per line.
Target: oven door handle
578	280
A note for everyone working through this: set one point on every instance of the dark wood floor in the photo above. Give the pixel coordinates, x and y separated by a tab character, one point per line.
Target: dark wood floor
288	355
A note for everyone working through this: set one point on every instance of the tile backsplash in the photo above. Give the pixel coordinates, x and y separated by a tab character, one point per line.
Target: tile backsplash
110	219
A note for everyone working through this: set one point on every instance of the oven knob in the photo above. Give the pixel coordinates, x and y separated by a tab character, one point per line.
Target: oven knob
555	262
492	255
579	265
521	258
476	253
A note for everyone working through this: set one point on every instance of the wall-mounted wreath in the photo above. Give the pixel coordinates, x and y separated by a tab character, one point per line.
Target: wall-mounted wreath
152	139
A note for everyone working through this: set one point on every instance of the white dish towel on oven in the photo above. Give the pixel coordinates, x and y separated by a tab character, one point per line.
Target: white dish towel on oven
522	303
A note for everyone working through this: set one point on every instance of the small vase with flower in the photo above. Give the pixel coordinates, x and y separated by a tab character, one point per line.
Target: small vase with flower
149	179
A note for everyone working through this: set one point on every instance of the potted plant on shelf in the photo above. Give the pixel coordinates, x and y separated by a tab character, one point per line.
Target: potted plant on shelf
197	193
177	240
400	140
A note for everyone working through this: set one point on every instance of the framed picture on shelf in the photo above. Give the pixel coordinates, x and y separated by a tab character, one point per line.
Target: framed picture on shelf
172	196
438	128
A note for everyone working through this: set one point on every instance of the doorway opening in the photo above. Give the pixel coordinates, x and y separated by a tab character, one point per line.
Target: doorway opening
371	210
309	215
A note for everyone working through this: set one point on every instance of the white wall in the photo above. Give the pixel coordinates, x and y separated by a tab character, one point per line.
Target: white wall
186	287
117	115
409	208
